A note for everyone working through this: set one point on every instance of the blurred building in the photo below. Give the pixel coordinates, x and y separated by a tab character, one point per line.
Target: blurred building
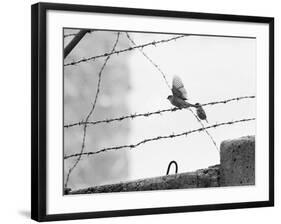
80	86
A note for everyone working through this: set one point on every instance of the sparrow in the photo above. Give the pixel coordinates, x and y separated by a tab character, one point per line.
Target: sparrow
200	112
179	96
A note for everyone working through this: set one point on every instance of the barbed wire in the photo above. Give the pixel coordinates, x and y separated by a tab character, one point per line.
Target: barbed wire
167	83
158	138
86	122
206	131
228	100
91	112
149	59
158	112
153	43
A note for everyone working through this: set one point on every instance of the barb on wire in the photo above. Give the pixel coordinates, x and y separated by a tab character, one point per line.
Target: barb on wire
149	59
132	116
157	138
154	43
91	112
228	100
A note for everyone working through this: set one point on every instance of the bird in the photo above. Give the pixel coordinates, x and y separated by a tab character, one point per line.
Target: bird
179	96
200	112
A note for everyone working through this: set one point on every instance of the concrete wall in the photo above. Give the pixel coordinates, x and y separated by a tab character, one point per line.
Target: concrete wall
237	168
238	162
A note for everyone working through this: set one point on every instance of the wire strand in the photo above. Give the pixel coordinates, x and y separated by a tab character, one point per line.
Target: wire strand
206	131
164	77
154	43
149	59
90	113
158	138
158	112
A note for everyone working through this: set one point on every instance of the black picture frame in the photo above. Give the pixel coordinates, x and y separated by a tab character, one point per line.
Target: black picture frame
39	108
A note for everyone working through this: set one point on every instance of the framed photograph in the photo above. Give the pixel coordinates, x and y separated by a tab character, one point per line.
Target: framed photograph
139	111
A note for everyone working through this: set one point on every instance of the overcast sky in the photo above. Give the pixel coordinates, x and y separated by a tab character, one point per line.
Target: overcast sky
212	68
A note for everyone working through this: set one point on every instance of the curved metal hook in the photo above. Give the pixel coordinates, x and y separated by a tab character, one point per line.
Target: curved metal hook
176	165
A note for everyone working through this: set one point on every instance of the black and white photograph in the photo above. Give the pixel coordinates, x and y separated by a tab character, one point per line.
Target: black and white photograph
146	111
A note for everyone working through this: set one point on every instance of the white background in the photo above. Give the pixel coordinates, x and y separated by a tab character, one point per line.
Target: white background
56	203
15	111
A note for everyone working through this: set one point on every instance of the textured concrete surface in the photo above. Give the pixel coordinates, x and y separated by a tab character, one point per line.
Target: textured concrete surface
238	162
237	168
200	178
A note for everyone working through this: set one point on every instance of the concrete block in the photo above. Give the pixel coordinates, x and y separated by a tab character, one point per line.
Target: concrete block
237	162
208	177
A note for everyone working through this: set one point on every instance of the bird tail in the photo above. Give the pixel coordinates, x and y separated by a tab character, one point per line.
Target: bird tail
188	105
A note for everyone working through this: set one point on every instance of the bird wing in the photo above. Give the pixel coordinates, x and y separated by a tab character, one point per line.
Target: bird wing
178	88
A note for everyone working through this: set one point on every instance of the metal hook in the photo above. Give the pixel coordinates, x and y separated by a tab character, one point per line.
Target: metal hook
176	165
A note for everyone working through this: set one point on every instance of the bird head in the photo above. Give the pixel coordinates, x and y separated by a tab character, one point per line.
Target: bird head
170	97
197	105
